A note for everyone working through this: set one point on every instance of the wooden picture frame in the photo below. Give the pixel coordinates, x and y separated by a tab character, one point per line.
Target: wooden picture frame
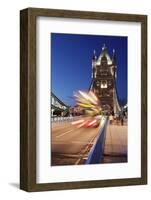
28	98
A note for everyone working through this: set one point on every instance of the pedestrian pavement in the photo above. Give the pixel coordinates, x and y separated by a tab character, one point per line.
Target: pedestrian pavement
115	147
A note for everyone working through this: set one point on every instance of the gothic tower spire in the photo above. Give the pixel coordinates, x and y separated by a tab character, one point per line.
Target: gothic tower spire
103	79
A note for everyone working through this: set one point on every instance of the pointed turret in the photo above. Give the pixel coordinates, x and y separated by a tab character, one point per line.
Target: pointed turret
94	59
104	48
104	54
114	64
94	55
114	58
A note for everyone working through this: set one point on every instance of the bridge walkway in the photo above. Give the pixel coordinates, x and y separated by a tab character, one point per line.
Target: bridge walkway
115	147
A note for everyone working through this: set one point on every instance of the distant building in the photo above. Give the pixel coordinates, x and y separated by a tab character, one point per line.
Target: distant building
76	110
104	80
58	108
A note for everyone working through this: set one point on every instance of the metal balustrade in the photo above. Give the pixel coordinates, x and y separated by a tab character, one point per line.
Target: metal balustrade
64	119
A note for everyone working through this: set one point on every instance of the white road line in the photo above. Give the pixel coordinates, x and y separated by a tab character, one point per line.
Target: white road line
63	134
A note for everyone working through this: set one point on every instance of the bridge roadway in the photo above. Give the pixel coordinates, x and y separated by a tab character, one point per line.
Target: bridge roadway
69	144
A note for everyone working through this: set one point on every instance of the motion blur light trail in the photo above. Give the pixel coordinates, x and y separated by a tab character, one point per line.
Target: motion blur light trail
90	104
86	99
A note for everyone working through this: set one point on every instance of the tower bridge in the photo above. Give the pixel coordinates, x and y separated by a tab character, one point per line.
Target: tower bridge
106	143
104	74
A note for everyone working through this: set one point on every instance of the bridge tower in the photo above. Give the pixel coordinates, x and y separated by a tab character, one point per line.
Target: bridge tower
104	80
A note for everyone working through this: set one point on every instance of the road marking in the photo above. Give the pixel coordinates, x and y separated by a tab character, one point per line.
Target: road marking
78	142
77	162
63	134
86	150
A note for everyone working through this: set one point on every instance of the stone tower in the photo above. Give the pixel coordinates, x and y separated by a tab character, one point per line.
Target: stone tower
103	80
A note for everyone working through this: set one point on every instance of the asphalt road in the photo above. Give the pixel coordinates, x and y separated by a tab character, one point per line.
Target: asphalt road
69	144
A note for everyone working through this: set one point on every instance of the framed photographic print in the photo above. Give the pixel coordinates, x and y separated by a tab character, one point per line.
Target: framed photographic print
83	99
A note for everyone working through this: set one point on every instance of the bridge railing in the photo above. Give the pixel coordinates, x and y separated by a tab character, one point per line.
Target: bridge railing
96	153
64	119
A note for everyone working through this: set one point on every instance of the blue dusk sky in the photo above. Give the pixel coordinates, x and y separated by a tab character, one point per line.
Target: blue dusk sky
71	63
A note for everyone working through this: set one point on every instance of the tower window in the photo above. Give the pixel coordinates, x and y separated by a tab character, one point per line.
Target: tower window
97	83
103	84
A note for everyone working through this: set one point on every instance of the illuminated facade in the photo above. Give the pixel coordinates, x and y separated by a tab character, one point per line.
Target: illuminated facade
104	80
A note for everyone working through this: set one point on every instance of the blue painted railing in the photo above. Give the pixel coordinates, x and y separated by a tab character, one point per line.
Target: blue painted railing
96	153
